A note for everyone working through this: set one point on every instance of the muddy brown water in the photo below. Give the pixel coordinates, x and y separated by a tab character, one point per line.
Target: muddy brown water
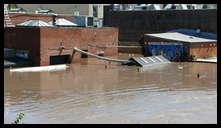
90	93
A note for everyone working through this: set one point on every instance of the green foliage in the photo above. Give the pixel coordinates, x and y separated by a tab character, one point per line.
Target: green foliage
19	117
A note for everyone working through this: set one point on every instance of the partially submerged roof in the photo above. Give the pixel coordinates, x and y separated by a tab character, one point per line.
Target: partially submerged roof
38	23
180	37
149	61
63	22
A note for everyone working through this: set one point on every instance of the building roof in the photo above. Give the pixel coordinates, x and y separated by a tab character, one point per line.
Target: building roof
180	37
63	22
153	6
177	6
192	32
150	61
34	23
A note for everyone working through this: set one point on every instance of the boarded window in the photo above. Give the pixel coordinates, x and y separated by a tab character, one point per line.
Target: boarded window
61	59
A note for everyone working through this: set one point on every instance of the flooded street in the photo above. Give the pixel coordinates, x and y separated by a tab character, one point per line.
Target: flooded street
91	93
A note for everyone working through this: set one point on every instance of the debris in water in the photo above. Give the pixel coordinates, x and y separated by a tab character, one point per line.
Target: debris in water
180	67
41	68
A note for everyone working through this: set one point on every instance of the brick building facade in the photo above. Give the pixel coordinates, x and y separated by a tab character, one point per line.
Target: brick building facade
37	41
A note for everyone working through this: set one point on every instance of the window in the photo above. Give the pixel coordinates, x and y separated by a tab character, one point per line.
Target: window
60	59
95	11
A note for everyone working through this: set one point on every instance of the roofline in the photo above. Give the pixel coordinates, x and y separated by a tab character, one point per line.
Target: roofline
182	41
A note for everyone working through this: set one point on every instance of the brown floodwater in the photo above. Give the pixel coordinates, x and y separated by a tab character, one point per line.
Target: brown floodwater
90	93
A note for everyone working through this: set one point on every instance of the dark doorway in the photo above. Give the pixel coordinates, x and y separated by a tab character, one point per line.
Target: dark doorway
84	55
62	59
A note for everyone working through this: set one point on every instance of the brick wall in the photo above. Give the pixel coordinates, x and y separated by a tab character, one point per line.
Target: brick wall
131	50
38	40
201	50
76	37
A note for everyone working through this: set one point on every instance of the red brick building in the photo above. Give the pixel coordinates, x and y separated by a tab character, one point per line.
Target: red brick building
37	41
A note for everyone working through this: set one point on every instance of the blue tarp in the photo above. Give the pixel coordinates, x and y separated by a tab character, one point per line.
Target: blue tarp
192	32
